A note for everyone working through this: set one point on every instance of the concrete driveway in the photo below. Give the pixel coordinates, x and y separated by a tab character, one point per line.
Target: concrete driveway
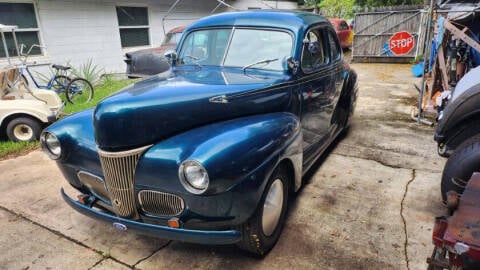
369	204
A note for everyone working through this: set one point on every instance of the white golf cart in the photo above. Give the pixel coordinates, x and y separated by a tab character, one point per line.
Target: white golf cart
24	110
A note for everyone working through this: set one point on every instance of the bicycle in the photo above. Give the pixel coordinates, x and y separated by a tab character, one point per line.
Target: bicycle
77	91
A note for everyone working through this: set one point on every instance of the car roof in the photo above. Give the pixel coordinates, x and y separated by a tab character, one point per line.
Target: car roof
336	20
292	20
178	29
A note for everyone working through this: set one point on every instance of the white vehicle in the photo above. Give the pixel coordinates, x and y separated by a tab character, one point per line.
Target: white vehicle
24	110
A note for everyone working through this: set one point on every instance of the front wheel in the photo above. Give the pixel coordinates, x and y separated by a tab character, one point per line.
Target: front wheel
460	166
262	231
79	91
23	129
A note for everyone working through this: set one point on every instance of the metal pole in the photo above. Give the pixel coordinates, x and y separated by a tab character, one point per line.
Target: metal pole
427	43
4	41
168	13
419	35
16	43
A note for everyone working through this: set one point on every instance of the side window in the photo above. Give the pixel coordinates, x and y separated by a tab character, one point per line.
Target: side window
333	46
343	25
313	52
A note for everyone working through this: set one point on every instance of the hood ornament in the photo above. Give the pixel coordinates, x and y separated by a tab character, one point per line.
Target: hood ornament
219	99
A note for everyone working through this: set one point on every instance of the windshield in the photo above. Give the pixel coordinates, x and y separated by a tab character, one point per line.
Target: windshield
252	48
172	39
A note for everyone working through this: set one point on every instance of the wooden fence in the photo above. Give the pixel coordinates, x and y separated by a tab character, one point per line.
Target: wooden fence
374	29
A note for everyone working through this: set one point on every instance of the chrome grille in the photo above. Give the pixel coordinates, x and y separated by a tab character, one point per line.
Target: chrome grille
119	171
160	203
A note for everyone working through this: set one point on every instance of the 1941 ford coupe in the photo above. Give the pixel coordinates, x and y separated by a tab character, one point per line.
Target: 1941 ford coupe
210	151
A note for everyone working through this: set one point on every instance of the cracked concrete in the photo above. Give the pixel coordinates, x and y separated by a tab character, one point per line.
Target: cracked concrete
404	220
369	204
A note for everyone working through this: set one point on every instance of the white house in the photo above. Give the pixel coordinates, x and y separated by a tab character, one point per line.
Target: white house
75	31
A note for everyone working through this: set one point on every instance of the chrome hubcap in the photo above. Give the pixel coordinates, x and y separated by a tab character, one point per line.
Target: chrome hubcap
23	132
272	208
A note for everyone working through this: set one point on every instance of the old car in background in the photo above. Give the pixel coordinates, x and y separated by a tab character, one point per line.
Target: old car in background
212	151
344	32
151	61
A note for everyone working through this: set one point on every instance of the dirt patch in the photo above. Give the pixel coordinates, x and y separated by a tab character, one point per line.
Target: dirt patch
19	153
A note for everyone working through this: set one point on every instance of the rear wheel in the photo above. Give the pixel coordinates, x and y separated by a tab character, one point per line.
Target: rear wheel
79	91
262	231
60	85
23	129
459	168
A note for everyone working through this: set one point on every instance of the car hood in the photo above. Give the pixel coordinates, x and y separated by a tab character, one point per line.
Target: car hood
167	104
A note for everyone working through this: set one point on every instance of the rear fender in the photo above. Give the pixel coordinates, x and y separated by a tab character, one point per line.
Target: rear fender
458	113
348	96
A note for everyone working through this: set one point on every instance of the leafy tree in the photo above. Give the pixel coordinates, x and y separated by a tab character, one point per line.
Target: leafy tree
338	9
346	8
377	3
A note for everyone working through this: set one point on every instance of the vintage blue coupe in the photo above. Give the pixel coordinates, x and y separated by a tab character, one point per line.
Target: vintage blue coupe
210	151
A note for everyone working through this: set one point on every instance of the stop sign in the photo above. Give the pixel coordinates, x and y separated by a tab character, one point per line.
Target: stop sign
401	43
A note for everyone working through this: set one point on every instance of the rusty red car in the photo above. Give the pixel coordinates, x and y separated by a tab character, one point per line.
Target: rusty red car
344	32
150	61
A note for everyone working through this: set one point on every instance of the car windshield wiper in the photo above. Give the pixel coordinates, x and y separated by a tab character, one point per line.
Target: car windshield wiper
265	61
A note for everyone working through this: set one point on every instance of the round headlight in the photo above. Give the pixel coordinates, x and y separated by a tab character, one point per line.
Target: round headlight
51	145
193	176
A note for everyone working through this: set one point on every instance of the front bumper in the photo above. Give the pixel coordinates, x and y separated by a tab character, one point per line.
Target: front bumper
178	234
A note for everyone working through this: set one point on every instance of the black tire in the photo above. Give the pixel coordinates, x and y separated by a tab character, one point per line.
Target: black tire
23	129
254	239
79	91
464	161
60	85
459	134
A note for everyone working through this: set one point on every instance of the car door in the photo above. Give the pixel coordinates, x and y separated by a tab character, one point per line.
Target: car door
317	91
338	73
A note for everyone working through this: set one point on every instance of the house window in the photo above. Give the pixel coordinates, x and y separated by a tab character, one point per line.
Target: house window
22	15
133	23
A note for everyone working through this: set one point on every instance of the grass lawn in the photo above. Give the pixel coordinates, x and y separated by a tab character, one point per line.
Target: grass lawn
10	149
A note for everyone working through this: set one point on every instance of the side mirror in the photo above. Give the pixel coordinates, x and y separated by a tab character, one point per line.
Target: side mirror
171	56
292	65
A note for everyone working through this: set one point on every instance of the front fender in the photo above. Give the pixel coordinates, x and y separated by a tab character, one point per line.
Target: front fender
79	150
462	109
239	156
229	150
